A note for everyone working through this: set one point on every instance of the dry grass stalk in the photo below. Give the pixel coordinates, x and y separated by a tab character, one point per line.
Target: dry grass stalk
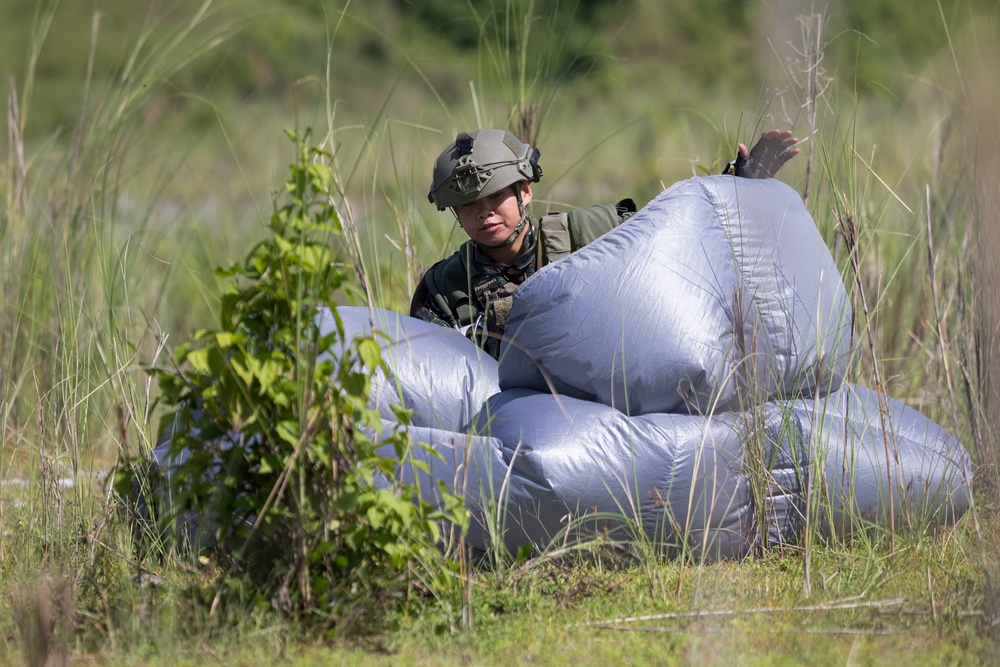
833	605
81	120
44	627
815	83
18	192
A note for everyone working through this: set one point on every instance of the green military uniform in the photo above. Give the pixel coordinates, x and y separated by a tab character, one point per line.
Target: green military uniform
469	292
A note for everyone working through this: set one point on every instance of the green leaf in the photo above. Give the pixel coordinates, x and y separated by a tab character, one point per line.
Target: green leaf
181	352
356	385
199	360
314	257
402	414
283	246
288	431
270	463
241	368
370	353
226	339
268	372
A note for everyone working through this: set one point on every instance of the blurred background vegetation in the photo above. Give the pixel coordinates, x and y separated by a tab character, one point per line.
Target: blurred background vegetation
673	52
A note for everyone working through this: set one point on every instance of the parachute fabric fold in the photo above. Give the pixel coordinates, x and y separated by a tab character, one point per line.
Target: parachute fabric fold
718	283
435	371
869	446
678	480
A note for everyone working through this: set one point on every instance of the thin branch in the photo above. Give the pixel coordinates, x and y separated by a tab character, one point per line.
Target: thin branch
826	606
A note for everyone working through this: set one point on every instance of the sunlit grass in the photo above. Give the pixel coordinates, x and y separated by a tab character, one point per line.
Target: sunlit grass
105	256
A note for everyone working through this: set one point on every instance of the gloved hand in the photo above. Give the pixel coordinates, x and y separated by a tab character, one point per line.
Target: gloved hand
768	155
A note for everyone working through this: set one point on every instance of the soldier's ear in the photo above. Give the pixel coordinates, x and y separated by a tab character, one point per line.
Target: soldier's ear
526	192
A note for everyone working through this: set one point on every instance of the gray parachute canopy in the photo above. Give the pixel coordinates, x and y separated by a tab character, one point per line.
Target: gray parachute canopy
679	380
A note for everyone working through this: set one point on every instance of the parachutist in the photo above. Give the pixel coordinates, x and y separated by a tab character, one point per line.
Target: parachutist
485	177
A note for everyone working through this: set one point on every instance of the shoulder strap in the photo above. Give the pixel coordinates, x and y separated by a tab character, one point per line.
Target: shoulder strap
554	241
563	233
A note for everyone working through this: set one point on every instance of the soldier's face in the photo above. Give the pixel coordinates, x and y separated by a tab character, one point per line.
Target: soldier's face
492	219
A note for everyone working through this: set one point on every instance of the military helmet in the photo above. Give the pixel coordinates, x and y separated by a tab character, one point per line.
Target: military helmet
480	163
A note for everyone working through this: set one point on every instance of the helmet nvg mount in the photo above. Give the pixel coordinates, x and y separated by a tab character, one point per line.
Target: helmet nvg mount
480	163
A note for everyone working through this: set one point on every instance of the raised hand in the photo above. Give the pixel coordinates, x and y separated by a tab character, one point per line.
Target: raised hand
769	154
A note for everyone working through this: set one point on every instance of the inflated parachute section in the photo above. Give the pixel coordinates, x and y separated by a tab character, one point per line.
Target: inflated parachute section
444	383
716	288
679	379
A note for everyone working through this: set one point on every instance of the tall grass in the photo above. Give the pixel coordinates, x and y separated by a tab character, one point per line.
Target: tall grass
84	304
71	264
77	322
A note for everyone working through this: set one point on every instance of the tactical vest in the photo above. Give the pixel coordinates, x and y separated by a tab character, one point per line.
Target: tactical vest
454	293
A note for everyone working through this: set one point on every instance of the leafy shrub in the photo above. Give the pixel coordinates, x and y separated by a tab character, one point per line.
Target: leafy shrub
269	421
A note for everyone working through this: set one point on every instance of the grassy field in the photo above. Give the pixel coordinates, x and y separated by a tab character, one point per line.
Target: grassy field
120	200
